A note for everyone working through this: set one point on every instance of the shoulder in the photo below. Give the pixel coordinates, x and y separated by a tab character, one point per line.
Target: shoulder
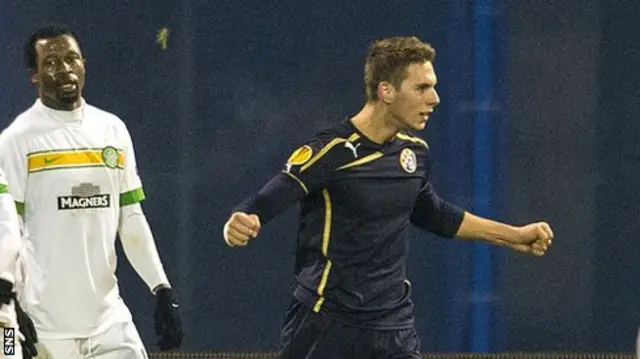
23	124
109	119
325	146
413	139
103	115
23	127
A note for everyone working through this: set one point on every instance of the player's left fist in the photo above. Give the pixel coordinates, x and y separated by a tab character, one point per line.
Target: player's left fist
535	238
167	320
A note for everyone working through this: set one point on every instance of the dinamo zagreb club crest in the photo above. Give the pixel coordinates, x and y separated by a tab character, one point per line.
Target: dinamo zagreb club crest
408	160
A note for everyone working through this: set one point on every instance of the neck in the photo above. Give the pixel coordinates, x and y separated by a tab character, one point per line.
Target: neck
375	122
60	106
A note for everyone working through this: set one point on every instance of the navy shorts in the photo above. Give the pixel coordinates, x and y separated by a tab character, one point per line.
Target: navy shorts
310	335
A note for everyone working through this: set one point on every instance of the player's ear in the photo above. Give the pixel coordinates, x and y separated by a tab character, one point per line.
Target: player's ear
33	78
386	92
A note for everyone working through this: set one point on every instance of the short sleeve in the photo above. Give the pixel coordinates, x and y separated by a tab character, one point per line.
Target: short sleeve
131	191
13	161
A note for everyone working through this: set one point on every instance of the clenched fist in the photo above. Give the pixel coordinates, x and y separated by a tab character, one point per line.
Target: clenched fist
533	238
240	228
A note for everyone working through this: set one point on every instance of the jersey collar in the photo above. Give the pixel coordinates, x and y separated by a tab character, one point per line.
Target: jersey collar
67	117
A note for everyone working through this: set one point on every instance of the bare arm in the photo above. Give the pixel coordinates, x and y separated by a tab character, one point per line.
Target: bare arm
533	238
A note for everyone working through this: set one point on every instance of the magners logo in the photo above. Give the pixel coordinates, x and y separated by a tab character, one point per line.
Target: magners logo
76	202
84	196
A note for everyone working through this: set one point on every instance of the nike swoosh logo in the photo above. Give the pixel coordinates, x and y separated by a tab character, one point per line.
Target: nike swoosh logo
174	305
48	161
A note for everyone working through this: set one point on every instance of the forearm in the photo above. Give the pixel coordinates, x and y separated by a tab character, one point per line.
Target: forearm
140	248
475	227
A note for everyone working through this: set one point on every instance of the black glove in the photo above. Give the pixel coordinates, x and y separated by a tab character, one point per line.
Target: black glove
6	292
24	322
28	331
167	318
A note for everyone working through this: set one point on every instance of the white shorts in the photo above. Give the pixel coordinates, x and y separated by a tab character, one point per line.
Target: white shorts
120	341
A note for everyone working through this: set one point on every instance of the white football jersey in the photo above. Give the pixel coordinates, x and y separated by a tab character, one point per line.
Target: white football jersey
69	173
10	244
9	232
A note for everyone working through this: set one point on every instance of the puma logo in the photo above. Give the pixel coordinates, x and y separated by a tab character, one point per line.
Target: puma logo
353	148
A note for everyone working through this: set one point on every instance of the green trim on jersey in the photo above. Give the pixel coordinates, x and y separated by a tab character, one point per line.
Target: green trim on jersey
20	208
132	197
4	188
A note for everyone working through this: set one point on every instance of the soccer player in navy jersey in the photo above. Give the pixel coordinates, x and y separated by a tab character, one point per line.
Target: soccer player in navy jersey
360	184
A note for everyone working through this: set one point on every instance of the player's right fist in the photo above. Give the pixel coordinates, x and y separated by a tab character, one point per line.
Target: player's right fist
240	228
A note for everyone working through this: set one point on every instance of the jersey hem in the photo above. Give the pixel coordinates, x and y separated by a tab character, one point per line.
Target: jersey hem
309	300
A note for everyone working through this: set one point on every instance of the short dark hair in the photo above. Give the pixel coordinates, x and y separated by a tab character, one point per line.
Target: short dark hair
389	58
45	32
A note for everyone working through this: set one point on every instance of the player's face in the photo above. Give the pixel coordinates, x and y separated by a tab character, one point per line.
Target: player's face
60	72
417	97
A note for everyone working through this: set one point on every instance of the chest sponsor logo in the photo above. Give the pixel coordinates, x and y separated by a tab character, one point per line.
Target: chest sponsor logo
84	196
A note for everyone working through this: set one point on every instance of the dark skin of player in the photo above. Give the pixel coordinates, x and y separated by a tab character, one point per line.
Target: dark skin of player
60	72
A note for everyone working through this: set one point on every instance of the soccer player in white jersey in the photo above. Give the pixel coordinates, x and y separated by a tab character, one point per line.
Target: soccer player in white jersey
12	318
71	169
